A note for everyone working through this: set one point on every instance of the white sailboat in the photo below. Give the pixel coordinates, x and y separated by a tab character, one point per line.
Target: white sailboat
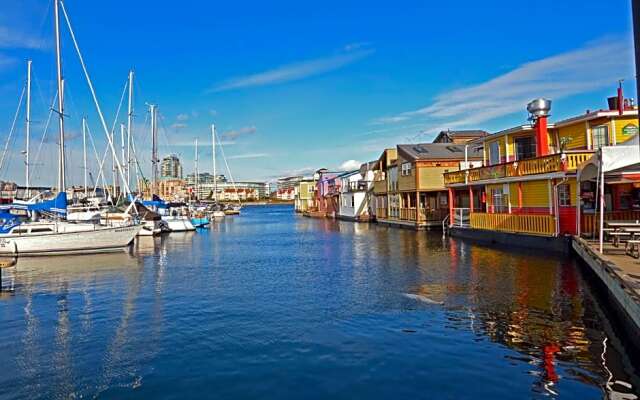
175	217
36	238
216	215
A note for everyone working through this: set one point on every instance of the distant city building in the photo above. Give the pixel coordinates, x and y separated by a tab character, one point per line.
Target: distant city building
289	182
170	167
204	178
227	191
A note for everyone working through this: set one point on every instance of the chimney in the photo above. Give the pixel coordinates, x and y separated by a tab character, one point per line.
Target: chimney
620	98
539	114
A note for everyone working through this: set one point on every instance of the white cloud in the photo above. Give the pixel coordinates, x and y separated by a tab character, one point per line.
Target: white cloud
592	67
179	125
293	72
182	117
248	155
350	165
10	39
236	133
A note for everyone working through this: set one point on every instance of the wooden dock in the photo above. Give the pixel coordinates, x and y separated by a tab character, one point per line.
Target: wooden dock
619	273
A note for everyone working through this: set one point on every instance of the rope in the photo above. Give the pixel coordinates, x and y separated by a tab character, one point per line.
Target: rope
13	126
94	96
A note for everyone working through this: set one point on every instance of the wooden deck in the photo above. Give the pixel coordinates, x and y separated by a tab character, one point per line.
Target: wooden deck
619	272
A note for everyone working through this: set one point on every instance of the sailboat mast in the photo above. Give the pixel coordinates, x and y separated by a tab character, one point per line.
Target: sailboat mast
154	149
61	167
84	155
27	128
129	127
215	177
122	143
197	172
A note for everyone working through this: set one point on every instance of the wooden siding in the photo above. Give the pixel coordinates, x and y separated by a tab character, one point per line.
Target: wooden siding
406	183
620	123
431	178
535	193
577	134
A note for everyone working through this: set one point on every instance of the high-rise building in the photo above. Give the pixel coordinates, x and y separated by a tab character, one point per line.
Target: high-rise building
170	167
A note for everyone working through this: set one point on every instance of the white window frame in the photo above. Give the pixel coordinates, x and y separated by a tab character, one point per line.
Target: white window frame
406	169
564	195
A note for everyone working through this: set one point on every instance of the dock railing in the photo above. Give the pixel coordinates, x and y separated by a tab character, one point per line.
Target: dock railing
461	217
540	225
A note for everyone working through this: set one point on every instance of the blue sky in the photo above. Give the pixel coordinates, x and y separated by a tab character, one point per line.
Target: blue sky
292	86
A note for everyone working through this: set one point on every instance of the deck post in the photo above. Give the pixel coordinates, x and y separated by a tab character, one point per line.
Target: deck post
470	199
451	207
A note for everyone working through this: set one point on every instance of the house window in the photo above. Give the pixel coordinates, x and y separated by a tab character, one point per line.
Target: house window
564	195
406	169
525	148
600	136
500	200
494	153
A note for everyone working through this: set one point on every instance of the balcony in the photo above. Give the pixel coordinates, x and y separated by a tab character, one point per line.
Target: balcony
540	165
359	186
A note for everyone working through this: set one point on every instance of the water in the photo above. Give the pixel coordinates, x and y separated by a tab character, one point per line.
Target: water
273	305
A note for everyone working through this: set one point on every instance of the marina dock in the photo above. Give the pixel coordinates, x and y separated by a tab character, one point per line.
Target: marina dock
619	273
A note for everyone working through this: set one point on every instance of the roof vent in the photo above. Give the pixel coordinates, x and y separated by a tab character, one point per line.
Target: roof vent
420	149
539	108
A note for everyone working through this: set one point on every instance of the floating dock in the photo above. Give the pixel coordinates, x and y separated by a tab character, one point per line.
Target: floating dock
620	274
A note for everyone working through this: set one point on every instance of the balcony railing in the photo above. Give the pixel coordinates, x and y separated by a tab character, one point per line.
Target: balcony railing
541	225
533	166
359	186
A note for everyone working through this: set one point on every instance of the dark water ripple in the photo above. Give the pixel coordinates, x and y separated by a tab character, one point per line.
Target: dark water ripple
274	305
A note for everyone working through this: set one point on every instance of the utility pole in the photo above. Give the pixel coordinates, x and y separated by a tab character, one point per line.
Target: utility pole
27	129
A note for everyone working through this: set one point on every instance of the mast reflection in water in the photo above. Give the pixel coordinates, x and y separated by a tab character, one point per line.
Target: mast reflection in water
274	305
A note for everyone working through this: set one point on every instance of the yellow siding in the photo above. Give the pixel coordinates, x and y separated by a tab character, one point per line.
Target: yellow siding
513	194
432	177
577	133
620	123
573	186
535	193
406	182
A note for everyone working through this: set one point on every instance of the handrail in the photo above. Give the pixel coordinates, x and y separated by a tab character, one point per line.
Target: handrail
567	161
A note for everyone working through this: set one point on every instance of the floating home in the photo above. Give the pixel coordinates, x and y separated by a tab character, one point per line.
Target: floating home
528	184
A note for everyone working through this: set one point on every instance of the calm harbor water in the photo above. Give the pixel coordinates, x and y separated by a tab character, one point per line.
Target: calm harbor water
274	305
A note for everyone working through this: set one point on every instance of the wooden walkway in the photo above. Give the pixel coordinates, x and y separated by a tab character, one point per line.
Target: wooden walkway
619	272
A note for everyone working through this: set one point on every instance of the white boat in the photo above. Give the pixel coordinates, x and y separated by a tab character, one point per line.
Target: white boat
62	238
178	223
217	215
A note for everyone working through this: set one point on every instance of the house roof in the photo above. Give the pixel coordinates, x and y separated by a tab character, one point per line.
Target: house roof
448	135
439	151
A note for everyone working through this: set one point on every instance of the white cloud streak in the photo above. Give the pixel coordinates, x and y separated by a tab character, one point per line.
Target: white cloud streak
10	39
592	67
248	156
293	72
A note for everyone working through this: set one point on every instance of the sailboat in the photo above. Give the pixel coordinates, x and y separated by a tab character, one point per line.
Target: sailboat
199	218
23	232
216	211
173	214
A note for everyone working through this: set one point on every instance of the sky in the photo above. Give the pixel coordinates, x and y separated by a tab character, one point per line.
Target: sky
296	86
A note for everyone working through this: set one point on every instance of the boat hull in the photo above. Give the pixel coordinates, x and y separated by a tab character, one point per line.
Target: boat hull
178	224
98	240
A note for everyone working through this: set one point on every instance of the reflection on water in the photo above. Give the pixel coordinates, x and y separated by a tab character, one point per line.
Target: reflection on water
270	304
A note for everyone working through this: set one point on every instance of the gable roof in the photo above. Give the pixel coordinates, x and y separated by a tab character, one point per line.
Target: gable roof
439	151
449	135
